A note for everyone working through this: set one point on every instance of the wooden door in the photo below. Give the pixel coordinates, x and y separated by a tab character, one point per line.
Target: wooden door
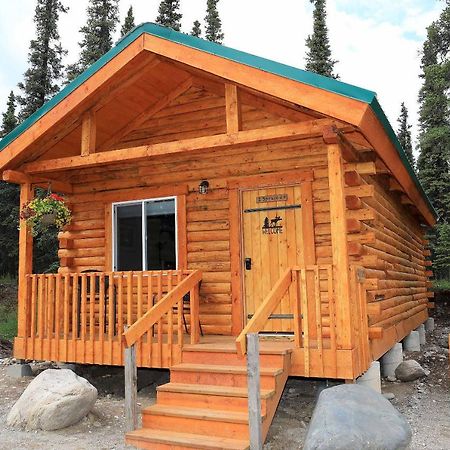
272	242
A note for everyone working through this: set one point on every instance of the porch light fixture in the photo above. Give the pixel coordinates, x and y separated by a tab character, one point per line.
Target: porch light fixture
203	187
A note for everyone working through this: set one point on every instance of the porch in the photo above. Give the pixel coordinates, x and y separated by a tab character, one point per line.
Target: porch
89	318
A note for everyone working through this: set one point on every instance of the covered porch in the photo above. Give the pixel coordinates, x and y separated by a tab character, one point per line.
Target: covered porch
89	318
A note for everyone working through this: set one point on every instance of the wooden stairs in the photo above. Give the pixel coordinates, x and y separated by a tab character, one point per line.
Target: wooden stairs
204	406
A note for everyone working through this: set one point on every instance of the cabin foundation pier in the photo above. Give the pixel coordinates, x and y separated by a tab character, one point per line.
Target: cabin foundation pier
422	337
411	343
372	377
391	360
429	324
19	371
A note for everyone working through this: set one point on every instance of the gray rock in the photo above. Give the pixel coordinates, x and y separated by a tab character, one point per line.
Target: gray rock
54	399
388	395
409	370
391	379
352	416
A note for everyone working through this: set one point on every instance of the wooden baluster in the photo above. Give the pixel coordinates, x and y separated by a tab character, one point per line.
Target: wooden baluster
50	316
139	312
101	316
318	305
75	319
149	306
120	276
41	310
194	306
83	314
92	295
180	313
297	310
130	276
332	313
66	324
45	315
160	323
111	318
58	317
169	321
304	309
34	300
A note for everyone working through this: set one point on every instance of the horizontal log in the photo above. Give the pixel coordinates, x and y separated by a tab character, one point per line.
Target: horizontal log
260	136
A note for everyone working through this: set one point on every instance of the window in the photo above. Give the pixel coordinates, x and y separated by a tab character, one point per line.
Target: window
145	235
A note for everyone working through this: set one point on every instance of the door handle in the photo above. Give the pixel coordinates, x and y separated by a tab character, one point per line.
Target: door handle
248	263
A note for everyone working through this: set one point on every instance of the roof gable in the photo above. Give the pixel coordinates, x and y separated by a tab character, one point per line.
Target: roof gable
332	86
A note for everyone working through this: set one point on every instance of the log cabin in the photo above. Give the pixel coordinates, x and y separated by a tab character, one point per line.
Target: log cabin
215	194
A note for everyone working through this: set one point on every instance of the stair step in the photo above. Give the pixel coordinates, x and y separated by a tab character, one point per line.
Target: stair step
171	438
197	413
214	348
229	391
188	367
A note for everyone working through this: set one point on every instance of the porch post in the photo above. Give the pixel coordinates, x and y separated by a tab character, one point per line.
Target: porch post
344	328
25	264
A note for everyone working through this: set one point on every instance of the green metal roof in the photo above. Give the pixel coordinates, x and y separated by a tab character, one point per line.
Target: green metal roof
312	79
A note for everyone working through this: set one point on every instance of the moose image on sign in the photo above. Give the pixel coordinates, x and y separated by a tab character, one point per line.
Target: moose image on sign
271	226
272	242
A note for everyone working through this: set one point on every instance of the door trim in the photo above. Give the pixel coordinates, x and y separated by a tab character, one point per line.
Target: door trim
235	187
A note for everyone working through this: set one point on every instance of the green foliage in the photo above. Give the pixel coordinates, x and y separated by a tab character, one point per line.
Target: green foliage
318	58
433	163
404	133
196	29
9	116
8	322
9	234
441	286
102	20
128	24
41	80
53	206
213	23
169	14
441	259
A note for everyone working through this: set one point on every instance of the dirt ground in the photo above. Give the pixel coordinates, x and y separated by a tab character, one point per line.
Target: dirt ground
425	403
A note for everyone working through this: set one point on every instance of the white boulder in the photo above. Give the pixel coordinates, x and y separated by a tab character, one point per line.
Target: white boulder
54	399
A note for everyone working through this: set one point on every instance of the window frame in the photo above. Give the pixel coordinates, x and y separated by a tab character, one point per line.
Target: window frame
114	206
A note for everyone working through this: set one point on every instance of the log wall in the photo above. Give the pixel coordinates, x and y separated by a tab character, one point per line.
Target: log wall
394	254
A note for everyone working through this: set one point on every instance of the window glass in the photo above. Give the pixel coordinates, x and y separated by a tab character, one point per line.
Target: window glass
161	241
129	237
158	249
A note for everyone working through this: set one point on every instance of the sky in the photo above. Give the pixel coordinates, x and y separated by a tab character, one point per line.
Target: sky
377	42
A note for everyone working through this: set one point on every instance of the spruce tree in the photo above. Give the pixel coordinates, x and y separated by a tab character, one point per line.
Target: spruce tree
213	23
196	29
128	23
318	58
41	80
434	133
404	133
9	116
9	203
169	14
102	20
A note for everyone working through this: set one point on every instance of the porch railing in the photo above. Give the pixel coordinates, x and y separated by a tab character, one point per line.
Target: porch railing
314	310
81	317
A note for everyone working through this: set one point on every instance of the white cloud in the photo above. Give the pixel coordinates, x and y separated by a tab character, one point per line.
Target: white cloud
377	44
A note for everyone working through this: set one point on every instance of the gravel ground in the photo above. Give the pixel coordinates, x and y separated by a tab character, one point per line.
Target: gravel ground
425	403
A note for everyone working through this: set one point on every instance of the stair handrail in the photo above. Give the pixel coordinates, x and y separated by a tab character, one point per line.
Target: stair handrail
152	316
262	314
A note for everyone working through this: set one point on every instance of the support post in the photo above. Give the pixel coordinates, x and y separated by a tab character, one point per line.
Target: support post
88	133
25	264
254	393
130	388
233	111
339	244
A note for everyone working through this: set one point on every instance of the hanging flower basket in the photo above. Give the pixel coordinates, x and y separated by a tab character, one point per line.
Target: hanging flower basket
41	213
